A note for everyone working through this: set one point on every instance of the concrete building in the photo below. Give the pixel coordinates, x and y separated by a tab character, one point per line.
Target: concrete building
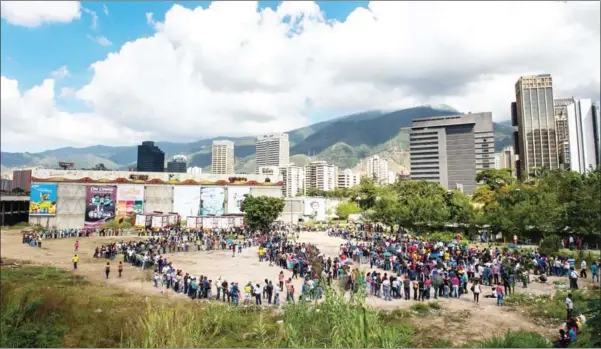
222	158
507	158
268	170
194	170
392	177
348	178
577	137
376	168
321	175
21	180
451	150
294	180
5	184
177	165
533	115
272	150
150	158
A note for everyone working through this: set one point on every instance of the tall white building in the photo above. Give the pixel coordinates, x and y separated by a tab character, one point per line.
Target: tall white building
348	178
376	168
577	127
506	159
194	170
321	175
272	150
294	180
222	160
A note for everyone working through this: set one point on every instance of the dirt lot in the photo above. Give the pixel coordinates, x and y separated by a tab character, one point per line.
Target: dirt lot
462	319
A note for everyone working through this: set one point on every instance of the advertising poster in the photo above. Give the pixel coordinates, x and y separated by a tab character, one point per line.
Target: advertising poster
100	205
141	220
186	200
192	222
212	200
130	200
235	196
42	199
315	208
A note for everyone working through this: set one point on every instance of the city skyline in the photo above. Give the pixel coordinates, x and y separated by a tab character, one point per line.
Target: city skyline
108	94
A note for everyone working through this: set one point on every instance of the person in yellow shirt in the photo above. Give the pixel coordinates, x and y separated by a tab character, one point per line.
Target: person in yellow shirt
75	261
446	256
261	253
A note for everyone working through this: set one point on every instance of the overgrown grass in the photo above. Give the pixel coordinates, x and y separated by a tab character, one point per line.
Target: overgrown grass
515	339
425	308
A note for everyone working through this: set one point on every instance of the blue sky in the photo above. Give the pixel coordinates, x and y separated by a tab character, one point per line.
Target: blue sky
30	54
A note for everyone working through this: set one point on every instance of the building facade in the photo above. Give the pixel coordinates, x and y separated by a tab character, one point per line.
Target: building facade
321	175
577	137
272	150
222	157
194	170
534	116
21	180
376	168
451	150
294	180
507	158
150	158
178	164
348	178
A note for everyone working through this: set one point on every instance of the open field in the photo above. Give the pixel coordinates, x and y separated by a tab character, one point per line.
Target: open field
460	320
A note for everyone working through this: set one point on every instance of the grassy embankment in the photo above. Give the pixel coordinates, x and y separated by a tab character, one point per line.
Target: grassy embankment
46	307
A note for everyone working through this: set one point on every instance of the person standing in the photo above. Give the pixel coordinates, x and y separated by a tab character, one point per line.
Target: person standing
120	268
76	245
594	271
499	295
583	269
107	269
75	260
573	275
569	306
476	290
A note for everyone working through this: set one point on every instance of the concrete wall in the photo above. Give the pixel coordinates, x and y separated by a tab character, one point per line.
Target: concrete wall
274	192
158	198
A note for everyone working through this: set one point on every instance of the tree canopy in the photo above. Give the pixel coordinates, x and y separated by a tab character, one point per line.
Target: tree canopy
261	211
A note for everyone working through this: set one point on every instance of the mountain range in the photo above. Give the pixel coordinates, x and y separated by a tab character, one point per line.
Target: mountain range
342	141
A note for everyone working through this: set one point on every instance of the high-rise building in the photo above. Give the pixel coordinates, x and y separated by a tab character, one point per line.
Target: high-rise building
376	168
194	170
597	118
150	158
577	137
21	180
272	150
348	178
294	180
506	158
451	150
533	115
178	164
321	175
222	161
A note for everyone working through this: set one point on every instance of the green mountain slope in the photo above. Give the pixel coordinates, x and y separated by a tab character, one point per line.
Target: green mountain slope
342	141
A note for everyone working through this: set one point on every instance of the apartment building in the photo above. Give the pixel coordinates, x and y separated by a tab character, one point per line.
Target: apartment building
294	180
348	178
222	157
376	168
272	150
321	175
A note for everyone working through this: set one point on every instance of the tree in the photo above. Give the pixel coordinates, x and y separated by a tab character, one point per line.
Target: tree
346	208
460	208
495	178
261	211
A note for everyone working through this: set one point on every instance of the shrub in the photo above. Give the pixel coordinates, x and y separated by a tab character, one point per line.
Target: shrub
515	339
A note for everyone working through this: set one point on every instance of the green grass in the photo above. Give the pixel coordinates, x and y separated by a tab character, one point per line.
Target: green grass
515	339
425	308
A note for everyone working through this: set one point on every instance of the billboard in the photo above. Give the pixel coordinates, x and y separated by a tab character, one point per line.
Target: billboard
42	199
235	196
186	200
100	205
212	200
316	208
130	200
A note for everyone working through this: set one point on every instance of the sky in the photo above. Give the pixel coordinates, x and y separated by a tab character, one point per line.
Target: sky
116	73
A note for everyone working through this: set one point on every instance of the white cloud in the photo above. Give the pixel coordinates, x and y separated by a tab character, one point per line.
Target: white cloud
230	70
105	9
94	17
67	92
35	13
31	121
100	40
60	73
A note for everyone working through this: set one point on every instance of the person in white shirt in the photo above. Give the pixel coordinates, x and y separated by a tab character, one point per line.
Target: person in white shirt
569	306
573	275
583	269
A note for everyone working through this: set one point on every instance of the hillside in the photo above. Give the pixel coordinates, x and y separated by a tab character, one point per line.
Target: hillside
342	141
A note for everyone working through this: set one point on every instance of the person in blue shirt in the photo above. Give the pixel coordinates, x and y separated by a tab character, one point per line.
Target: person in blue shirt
572	335
595	271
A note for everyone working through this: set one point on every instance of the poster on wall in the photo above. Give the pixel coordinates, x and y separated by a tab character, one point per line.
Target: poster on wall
42	199
235	196
186	200
100	205
130	200
212	200
315	208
